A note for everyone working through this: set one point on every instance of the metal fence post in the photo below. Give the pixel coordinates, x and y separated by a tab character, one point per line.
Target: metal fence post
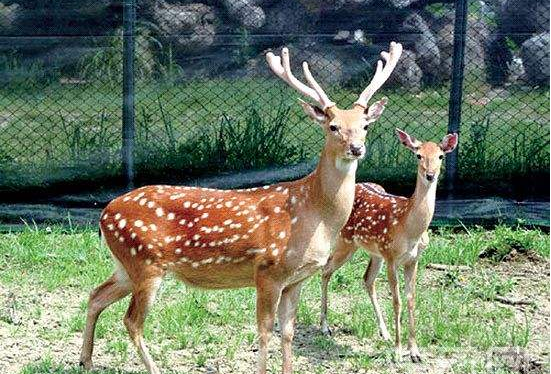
128	130
456	92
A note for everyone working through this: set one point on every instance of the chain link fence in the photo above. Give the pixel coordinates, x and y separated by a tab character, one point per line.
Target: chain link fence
206	102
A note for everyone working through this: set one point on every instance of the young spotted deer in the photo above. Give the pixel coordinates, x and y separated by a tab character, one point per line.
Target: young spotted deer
393	229
270	238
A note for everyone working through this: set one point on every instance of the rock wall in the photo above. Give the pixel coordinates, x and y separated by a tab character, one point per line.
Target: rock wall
341	38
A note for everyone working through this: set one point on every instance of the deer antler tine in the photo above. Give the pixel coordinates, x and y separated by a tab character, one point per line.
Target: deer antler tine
281	66
381	73
310	78
286	64
379	67
275	64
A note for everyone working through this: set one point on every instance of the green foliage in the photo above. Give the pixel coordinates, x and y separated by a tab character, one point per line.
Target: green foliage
214	325
183	127
16	72
83	141
511	44
105	65
246	49
234	144
447	247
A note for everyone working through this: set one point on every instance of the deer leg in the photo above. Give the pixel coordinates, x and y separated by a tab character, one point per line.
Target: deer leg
112	290
143	296
287	311
268	293
342	253
397	304
410	275
370	276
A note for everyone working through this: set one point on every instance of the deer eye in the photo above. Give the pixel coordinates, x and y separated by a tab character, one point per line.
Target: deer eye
333	128
441	157
365	127
418	156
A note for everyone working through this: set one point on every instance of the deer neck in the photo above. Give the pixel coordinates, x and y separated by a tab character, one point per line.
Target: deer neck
422	207
332	186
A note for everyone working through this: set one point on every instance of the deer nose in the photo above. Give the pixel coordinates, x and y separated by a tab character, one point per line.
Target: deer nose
430	177
357	149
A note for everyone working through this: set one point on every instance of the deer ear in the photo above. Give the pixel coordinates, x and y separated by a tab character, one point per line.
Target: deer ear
449	142
375	110
408	140
313	111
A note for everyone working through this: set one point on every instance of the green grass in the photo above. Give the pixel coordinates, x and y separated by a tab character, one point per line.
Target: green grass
58	132
211	324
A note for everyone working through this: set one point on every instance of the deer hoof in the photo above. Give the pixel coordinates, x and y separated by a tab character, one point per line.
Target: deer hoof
325	330
384	335
415	355
85	365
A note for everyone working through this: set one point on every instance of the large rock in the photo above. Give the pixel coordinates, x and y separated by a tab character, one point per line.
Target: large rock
518	19
66	18
47	26
420	39
476	43
288	18
407	74
8	17
535	58
190	28
401	4
246	13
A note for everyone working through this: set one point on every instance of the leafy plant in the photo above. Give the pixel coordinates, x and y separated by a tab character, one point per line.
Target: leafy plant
106	64
16	72
234	144
474	151
80	141
245	50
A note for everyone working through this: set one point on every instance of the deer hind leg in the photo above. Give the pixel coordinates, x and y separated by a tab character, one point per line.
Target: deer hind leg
410	275
287	311
143	296
112	290
342	253
370	275
268	294
392	273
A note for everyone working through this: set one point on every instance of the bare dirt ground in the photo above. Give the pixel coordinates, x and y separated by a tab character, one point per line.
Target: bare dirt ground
31	321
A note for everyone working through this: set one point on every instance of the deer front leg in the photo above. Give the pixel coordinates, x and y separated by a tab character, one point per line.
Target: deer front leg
342	253
287	312
268	293
410	275
397	304
373	269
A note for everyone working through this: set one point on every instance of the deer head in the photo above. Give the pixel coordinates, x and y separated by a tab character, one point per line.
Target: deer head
345	129
429	154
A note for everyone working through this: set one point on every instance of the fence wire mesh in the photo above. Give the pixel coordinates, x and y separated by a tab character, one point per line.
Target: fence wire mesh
206	102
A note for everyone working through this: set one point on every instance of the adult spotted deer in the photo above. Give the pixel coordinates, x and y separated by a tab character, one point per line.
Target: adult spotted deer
271	238
393	229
